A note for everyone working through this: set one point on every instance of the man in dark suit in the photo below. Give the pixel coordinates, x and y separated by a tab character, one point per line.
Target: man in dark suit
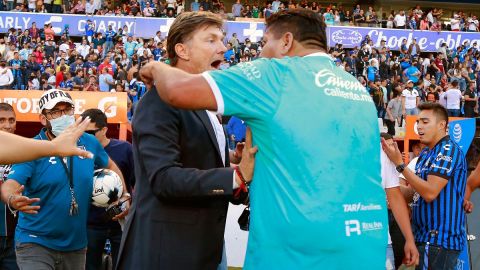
184	184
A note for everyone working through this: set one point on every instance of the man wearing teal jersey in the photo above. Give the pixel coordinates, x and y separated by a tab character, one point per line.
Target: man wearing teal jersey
316	201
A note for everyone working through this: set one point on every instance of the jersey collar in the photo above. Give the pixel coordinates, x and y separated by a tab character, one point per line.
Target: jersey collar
318	54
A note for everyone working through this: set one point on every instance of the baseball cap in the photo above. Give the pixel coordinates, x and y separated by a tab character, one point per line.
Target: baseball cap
53	97
409	81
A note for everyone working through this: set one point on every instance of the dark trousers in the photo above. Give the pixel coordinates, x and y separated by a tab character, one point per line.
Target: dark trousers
469	111
32	256
398	241
48	7
391	126
453	112
96	244
438	257
8	260
57	9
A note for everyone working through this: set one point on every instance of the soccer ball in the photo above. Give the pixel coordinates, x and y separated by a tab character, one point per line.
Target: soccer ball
107	187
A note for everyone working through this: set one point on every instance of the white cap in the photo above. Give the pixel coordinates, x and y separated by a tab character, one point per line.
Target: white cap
53	97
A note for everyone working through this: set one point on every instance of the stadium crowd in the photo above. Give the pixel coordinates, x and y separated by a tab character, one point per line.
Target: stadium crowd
38	59
414	18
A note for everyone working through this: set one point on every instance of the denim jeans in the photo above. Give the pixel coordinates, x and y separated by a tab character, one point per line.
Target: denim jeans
223	264
413	111
438	77
381	111
8	260
107	47
390	263
438	257
454	112
96	244
32	256
462	84
18	84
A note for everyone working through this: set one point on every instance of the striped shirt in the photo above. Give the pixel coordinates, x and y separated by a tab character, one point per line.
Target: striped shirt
7	220
442	221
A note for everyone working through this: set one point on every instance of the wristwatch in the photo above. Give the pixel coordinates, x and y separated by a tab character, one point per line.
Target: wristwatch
400	168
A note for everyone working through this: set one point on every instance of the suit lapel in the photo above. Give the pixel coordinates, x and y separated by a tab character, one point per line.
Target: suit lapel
208	125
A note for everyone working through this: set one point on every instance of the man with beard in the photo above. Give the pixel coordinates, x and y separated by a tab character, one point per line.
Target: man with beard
51	231
181	166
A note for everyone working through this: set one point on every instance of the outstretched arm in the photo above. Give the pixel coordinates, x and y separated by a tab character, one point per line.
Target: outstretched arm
187	91
16	149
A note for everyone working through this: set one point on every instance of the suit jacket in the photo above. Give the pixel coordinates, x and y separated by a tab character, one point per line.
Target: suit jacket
180	203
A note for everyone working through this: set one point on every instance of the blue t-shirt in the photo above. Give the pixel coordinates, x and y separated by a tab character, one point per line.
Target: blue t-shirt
410	73
130	48
236	127
89	31
195	6
371	73
47	179
103	80
228	54
316	201
109	35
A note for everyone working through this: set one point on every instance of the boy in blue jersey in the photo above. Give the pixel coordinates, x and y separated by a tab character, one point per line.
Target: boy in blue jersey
54	194
439	180
316	201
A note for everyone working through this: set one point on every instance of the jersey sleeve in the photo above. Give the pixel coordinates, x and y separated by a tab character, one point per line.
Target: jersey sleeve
443	165
99	154
249	90
388	172
22	172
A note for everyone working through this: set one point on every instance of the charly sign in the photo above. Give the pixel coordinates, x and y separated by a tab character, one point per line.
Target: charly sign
137	26
429	41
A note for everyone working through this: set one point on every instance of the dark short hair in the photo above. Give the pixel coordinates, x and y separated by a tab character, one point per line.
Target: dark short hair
5	107
386	136
438	110
455	83
184	26
96	116
306	26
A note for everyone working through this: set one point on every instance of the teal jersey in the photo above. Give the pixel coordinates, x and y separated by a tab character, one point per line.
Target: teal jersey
316	196
46	178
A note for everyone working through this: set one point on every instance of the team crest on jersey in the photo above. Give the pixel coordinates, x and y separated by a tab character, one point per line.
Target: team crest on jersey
447	147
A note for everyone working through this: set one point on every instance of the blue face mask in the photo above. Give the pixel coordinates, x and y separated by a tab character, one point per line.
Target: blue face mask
60	124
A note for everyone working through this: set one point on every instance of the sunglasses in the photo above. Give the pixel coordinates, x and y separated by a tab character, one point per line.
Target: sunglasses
93	131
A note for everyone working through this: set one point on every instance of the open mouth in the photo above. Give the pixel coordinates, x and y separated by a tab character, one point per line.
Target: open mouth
216	64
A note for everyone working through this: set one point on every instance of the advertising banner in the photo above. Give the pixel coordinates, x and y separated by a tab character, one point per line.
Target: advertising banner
429	41
25	104
137	26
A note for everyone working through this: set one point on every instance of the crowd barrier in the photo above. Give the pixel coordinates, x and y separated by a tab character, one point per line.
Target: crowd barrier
349	36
